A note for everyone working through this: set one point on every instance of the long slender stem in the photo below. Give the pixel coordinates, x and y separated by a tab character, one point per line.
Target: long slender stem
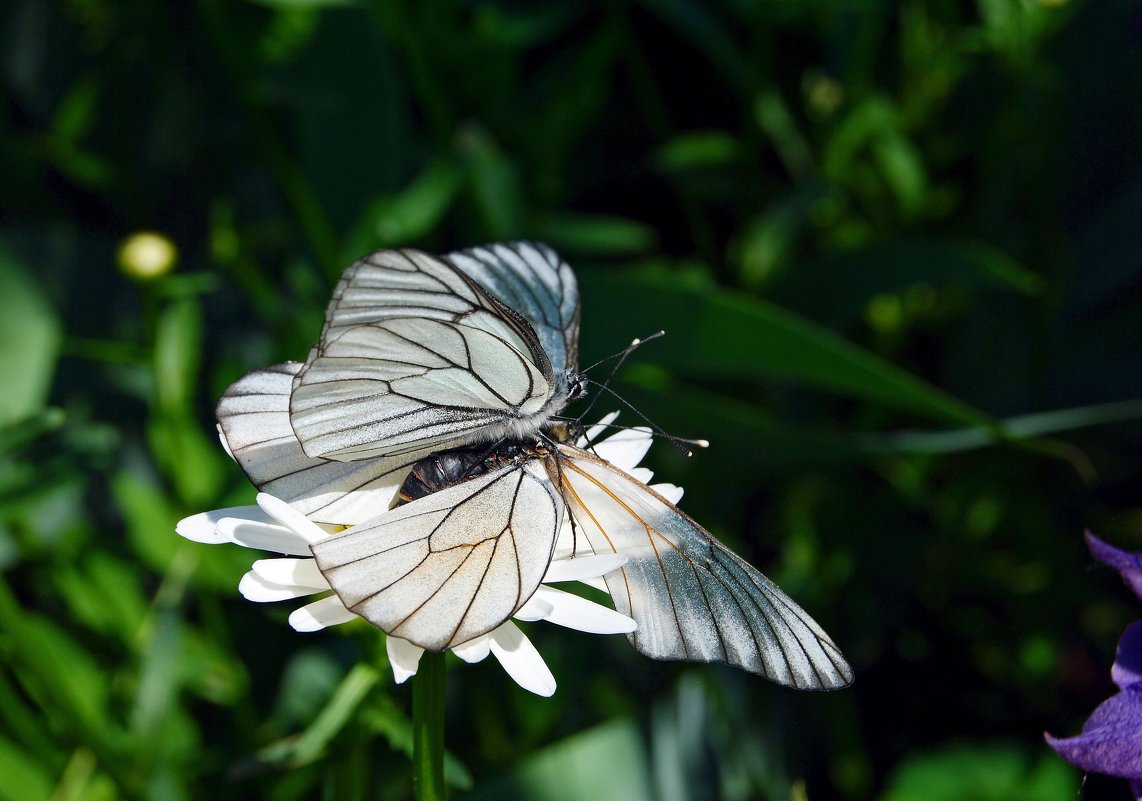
428	728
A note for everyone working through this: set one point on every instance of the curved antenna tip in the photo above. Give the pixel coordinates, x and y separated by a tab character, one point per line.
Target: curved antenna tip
702	443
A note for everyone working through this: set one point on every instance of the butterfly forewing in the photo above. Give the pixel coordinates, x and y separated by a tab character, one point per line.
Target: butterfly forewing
417	353
253	416
692	598
407	383
452	565
532	279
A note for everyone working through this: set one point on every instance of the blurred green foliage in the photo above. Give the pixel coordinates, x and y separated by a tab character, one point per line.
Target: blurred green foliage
895	249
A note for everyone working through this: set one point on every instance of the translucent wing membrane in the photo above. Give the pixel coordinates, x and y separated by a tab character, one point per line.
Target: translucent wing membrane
692	598
253	416
532	279
453	565
405	383
416	352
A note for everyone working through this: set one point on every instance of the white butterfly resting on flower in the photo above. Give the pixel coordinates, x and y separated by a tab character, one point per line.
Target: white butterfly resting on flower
439	381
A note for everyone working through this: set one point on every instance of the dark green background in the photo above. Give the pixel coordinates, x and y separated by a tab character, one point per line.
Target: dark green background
897	249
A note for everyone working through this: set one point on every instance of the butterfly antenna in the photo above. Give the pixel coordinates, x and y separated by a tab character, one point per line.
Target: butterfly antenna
622	357
678	442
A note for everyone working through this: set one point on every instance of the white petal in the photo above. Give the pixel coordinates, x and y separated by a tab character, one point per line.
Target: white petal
597	583
670	492
263	536
475	650
596	431
255	588
290	518
625	449
294	572
404	658
319	614
521	661
203	527
584	566
641	474
535	608
583	615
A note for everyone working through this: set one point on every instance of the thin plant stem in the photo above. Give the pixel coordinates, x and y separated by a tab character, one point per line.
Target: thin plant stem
428	728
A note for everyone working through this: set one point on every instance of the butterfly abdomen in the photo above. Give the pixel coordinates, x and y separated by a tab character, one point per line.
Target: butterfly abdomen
448	468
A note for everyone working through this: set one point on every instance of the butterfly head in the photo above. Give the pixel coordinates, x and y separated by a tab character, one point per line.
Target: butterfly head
576	383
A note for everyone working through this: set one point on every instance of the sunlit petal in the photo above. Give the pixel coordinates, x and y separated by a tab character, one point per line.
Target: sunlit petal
290	518
255	588
580	614
404	658
521	661
475	650
298	572
583	567
320	614
203	527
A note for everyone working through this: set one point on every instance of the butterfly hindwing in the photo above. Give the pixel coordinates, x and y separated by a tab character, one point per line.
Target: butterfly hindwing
253	419
453	565
693	599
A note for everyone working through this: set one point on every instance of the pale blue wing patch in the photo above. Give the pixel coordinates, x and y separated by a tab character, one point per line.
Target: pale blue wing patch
693	599
532	279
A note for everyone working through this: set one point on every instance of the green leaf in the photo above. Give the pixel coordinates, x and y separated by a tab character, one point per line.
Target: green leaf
982	772
596	234
29	341
409	214
836	289
340	710
493	182
697	150
723	334
24	778
607	761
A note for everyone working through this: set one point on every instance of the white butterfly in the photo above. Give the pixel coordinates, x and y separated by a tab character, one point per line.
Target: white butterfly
441	378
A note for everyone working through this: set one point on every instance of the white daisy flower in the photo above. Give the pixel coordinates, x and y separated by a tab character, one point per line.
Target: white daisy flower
273	525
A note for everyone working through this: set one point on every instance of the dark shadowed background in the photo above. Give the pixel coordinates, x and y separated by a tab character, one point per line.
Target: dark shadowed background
896	248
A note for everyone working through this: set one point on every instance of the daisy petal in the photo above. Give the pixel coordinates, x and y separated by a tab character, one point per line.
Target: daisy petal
625	449
642	474
580	614
596	582
670	492
475	650
597	430
290	518
293	572
404	658
257	589
262	536
583	567
521	661
320	614
535	608
203	527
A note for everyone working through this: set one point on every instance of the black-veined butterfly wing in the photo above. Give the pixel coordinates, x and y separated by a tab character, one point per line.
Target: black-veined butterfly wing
253	417
452	565
693	598
531	278
415	352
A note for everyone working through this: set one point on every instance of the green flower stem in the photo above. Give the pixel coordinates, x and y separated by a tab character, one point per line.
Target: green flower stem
428	728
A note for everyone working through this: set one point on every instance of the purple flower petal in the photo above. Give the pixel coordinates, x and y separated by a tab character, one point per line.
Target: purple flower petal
1127	668
1111	740
1128	565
